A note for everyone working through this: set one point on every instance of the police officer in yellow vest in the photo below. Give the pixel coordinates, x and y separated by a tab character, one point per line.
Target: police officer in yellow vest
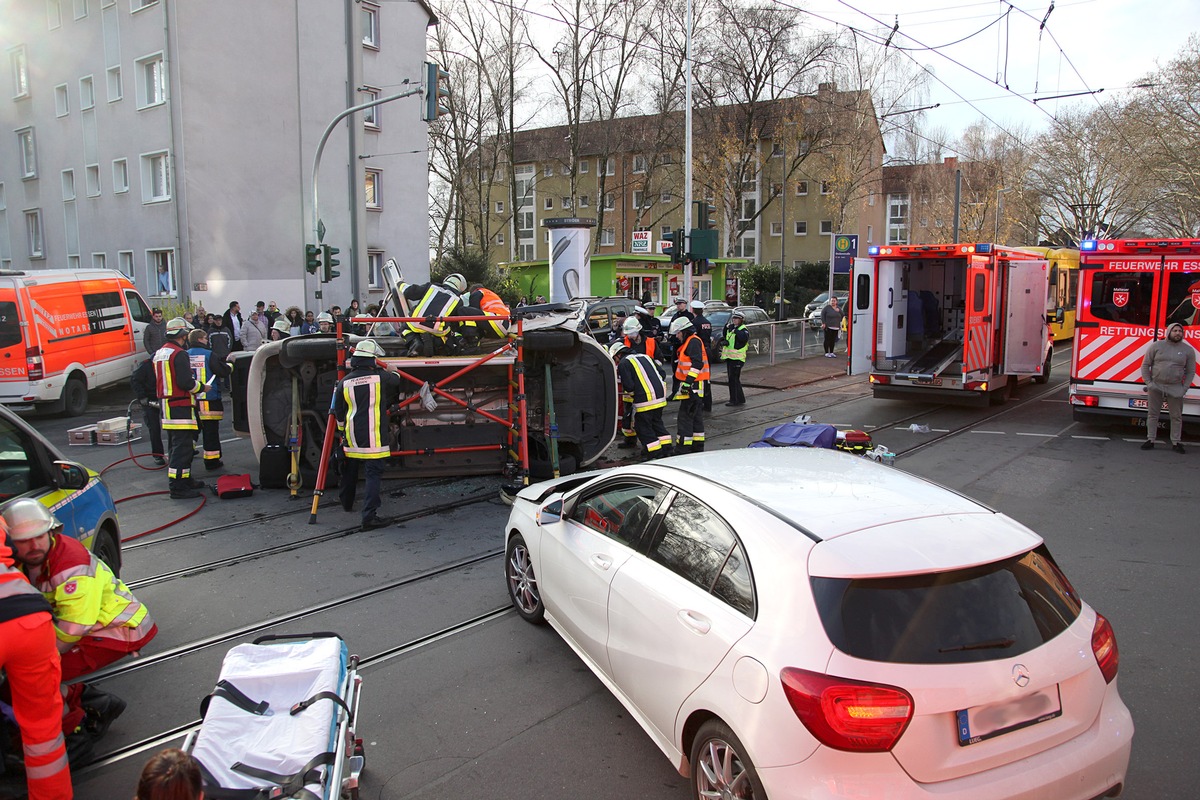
691	374
733	351
177	387
360	406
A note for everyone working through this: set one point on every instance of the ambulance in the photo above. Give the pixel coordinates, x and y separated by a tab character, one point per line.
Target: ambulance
949	322
64	333
1129	292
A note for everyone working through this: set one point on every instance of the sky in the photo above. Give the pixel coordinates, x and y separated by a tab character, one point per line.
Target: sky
1086	45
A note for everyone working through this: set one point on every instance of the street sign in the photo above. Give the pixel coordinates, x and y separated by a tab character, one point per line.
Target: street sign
641	242
845	249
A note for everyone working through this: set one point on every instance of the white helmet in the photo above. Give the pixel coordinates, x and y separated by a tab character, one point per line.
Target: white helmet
367	348
631	327
698	305
616	348
28	519
455	282
325	316
281	325
680	324
178	325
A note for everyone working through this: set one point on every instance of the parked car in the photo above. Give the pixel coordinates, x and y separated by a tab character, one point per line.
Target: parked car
32	467
600	312
812	311
775	639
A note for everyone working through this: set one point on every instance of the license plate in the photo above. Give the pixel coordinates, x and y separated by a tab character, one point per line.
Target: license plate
1140	402
987	722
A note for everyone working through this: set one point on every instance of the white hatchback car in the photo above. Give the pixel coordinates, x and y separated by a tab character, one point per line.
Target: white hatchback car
800	623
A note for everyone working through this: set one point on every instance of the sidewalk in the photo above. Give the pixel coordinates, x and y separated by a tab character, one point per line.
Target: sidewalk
784	373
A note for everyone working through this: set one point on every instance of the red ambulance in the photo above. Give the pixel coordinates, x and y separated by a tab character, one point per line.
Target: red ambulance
949	322
1130	290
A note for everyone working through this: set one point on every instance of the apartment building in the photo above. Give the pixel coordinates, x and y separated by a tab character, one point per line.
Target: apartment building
921	207
174	141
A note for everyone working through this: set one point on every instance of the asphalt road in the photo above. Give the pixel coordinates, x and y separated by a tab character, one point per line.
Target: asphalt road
462	699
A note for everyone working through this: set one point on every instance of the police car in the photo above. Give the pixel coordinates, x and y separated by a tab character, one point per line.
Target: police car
32	467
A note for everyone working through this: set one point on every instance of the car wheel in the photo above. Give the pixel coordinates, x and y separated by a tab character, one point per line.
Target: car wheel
107	550
720	766
1045	376
75	397
522	583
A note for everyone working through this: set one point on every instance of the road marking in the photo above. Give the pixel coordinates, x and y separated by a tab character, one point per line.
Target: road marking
1047	435
234	439
1001	433
1092	438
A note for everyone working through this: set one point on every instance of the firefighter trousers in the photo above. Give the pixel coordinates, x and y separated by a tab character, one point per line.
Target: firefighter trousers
210	442
179	458
371	489
689	427
651	431
30	658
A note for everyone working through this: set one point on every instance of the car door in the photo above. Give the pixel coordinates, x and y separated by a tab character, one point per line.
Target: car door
581	554
676	610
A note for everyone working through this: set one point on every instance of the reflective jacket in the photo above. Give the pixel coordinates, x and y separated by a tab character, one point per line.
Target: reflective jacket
490	303
176	385
435	301
88	599
737	342
645	346
360	404
641	382
204	366
692	366
17	597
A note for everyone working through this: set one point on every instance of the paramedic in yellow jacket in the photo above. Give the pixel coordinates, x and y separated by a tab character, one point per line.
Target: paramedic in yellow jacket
97	620
177	387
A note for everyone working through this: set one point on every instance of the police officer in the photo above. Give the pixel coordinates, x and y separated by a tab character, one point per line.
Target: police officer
644	396
177	387
703	329
691	375
360	406
736	342
210	409
30	659
432	302
681	310
649	319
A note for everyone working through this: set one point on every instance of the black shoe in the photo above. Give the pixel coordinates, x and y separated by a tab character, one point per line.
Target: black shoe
347	507
1178	448
102	708
211	465
80	748
160	461
196	484
184	493
376	522
1148	445
627	443
734	405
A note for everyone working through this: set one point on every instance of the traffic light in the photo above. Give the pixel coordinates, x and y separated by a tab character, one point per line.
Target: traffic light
312	259
329	262
699	266
704	243
436	92
706	215
678	246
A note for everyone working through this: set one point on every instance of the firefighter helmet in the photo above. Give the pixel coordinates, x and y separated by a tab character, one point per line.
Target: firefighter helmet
367	348
28	519
456	282
325	316
631	327
616	348
177	326
282	325
680	324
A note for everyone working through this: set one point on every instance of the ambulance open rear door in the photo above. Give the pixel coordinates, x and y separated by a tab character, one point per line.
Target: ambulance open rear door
862	316
1025	330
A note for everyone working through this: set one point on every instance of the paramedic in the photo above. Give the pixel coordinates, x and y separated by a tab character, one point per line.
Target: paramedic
97	620
170	775
691	375
736	342
177	386
30	659
645	395
360	404
209	407
489	303
1167	369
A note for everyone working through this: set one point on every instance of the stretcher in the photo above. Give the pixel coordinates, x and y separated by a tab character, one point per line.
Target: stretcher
281	722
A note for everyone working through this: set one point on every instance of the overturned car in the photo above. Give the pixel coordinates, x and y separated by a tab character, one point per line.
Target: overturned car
458	414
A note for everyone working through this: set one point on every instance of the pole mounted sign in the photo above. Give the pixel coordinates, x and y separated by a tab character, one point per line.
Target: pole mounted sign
845	250
641	242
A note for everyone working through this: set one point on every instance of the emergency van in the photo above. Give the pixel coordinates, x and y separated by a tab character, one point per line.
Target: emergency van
1129	292
65	332
951	322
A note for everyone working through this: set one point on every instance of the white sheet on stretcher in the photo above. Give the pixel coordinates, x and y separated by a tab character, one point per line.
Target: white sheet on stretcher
283	674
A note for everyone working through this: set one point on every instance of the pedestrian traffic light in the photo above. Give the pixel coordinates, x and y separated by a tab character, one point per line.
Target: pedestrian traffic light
329	262
436	92
312	259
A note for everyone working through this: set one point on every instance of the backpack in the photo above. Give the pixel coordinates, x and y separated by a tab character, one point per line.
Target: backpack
230	486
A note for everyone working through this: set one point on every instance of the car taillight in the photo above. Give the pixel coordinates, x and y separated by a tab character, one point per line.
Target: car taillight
880	379
845	714
1089	400
33	356
1104	645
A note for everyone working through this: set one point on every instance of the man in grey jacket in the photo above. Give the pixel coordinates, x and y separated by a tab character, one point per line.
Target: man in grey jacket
155	335
1168	370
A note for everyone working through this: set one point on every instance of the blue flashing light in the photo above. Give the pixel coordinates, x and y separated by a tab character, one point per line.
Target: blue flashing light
1087	244
873	250
983	248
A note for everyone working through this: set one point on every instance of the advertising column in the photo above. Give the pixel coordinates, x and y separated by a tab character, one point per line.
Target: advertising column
570	262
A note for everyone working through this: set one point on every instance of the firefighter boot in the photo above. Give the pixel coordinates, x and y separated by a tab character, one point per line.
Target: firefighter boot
627	442
101	709
697	446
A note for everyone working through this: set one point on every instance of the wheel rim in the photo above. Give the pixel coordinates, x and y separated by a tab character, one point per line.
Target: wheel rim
522	584
722	774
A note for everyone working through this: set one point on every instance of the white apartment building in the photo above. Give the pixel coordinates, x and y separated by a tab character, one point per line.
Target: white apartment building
174	140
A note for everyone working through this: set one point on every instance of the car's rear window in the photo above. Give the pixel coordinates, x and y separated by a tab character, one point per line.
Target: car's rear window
999	610
10	324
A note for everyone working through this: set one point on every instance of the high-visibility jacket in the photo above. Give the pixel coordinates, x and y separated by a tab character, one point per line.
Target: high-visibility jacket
88	599
645	346
641	380
17	597
490	303
692	366
435	301
360	404
204	366
737	342
176	387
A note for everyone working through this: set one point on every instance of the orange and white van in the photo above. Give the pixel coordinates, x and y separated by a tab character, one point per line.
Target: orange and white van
65	332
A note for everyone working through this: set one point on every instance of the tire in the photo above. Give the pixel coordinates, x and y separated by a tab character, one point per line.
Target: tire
720	766
75	397
106	550
548	341
1045	376
521	582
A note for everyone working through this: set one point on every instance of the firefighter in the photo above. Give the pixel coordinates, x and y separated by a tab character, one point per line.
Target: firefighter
31	662
736	342
635	339
489	303
324	322
97	620
644	396
691	375
360	406
209	407
177	388
433	302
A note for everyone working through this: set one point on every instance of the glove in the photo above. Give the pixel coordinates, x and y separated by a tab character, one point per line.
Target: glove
429	322
627	398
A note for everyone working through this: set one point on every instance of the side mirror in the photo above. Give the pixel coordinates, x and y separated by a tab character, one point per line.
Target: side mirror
71	475
550	513
1059	315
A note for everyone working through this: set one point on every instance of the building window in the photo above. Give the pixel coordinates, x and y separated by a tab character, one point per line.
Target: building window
374	269
547	170
373	184
749	208
28	149
777	150
747	246
547	237
68	184
526	251
87	93
826	227
871	197
91	180
801	188
20	71
777	229
370	115
639	164
99	261
924	222
775	262
897	230
608	237
160	266
639	199
584	166
499	206
125	263
798	263
81	9
62	100
151	81
584	200
825	187
564	169
156	177
115	91
870	233
566	202
500	237
120	176
33	233
548	203
138	5
776	189
801	227
610	166
664	231
72	262
53	14
610	202
665	196
370	25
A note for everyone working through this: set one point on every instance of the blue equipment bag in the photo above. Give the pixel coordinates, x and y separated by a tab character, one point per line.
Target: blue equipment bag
792	434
